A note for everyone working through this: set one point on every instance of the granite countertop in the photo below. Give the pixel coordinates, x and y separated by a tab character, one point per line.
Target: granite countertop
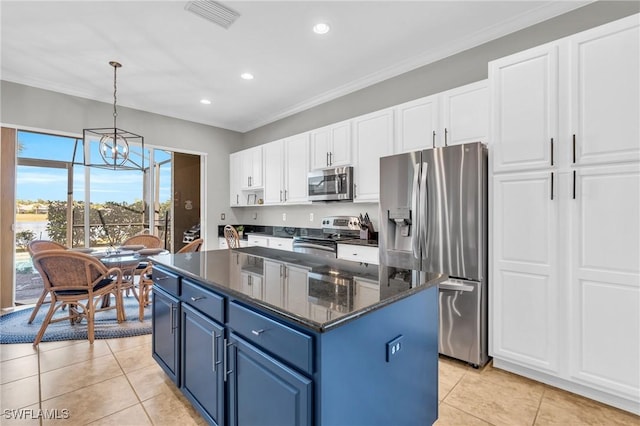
321	292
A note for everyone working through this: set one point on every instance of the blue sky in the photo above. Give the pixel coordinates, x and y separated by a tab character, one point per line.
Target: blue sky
51	184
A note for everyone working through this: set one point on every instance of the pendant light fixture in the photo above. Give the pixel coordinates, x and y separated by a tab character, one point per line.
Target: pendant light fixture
113	143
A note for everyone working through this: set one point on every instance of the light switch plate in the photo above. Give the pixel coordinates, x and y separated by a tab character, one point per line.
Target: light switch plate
284	217
222	216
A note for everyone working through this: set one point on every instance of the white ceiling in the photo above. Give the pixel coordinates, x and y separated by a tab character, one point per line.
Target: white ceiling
172	58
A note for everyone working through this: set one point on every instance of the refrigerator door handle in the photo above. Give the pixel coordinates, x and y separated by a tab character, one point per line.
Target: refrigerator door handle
424	207
415	221
455	286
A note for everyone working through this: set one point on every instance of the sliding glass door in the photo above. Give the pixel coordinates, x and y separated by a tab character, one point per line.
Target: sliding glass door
62	200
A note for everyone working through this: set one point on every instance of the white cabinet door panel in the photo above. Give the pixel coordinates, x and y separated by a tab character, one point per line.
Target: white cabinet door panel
297	161
606	219
273	172
320	141
606	349
416	124
340	154
524	288
606	93
235	172
526	332
605	278
465	114
524	99
526	217
373	137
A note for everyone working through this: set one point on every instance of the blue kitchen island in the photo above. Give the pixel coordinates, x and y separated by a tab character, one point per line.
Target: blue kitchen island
258	336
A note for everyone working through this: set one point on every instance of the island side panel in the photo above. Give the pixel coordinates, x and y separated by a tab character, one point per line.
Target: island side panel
358	386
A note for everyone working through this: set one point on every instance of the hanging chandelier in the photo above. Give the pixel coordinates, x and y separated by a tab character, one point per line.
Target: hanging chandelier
113	143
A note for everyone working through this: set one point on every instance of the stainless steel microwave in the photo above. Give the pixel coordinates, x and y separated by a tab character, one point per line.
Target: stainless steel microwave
331	184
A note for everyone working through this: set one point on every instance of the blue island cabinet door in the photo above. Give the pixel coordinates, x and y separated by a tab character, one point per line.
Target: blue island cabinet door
166	333
263	391
202	369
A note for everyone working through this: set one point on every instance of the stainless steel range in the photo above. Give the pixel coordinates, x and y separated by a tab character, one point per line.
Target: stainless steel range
334	229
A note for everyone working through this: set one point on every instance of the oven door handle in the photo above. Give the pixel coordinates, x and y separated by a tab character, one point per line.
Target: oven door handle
313	246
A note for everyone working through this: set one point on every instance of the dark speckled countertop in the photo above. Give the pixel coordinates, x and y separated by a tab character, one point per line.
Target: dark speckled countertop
321	293
367	243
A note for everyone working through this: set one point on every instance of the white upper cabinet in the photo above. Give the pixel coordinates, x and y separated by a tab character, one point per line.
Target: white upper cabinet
373	138
286	167
416	124
465	114
274	172
331	146
524	102
605	93
235	195
295	176
454	117
251	168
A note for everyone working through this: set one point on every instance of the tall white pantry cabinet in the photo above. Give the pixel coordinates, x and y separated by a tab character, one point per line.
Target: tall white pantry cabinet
565	213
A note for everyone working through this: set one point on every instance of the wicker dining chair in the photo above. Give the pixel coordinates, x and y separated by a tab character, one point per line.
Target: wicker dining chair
79	280
232	237
192	247
34	247
145	286
147	240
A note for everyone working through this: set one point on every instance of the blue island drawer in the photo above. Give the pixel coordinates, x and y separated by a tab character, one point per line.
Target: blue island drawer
207	302
166	280
284	342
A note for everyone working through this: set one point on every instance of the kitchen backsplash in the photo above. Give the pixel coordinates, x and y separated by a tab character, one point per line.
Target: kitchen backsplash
299	216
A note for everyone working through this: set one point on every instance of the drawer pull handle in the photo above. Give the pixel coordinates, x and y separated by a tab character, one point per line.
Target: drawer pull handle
195	299
162	278
258	332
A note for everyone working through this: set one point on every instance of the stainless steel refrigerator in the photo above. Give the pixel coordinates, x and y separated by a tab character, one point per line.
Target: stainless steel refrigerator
433	218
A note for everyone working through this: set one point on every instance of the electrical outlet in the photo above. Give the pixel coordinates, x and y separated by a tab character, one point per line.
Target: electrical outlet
394	347
310	217
222	216
284	217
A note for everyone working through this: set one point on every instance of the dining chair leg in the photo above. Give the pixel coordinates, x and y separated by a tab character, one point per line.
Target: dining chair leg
120	314
45	322
37	307
90	313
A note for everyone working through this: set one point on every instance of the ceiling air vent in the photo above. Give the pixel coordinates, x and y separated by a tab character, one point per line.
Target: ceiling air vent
213	11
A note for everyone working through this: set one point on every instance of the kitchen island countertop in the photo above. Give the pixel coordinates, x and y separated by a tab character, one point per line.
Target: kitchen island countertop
329	283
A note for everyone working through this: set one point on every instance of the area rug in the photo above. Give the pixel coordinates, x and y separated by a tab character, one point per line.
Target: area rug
14	327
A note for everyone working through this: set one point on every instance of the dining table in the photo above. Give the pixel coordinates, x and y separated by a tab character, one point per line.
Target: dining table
128	261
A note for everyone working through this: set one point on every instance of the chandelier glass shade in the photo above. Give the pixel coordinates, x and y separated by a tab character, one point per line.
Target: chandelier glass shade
113	143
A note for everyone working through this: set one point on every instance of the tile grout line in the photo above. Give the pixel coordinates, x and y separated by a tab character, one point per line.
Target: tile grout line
39	384
457	408
535	419
130	384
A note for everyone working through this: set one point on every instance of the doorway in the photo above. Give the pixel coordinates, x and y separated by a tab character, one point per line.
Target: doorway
186	199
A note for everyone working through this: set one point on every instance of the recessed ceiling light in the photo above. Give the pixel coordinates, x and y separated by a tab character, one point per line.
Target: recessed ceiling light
205	101
321	28
247	76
